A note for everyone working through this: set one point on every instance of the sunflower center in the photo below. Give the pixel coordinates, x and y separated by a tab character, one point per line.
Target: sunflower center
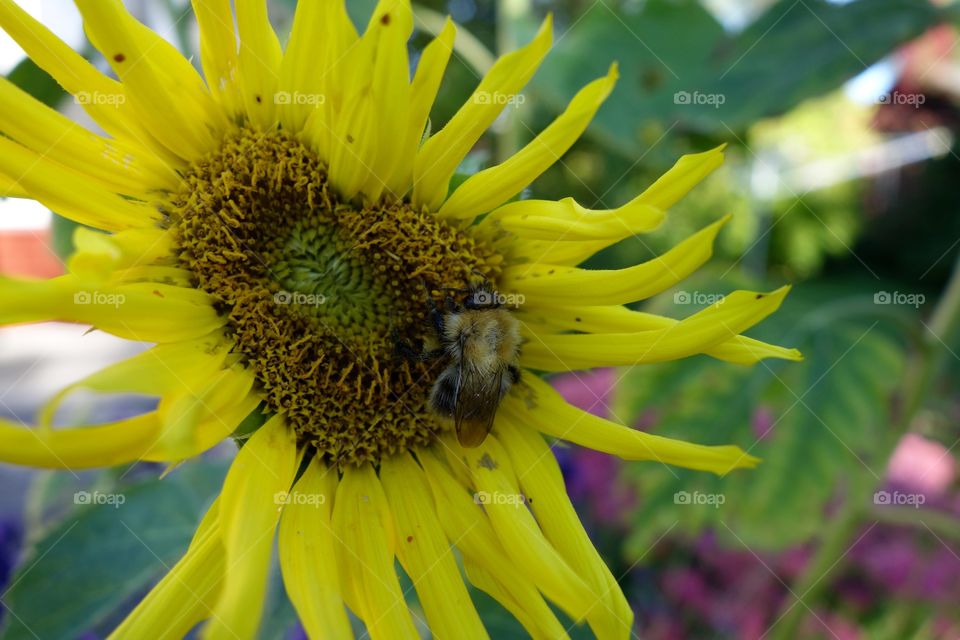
316	291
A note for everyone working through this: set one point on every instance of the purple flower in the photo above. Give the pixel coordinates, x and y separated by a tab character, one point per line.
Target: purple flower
10	539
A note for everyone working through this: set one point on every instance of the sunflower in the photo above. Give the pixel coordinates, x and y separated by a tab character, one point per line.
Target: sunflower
271	227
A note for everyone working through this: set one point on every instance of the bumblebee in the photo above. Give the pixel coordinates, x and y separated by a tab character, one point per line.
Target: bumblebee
479	340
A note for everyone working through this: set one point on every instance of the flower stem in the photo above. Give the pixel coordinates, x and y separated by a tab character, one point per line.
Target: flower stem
937	522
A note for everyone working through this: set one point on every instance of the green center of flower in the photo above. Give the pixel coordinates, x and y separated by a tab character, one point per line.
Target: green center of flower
317	291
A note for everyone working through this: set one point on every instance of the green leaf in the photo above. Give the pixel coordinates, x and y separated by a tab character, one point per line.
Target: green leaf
680	69
80	573
798	50
656	48
829	438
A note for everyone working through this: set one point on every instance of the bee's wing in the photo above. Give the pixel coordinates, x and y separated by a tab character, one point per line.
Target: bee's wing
478	397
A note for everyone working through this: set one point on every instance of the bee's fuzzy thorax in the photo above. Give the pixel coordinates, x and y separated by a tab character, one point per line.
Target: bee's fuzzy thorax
482	337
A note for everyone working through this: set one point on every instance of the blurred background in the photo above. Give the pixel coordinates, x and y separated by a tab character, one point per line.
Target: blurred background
841	120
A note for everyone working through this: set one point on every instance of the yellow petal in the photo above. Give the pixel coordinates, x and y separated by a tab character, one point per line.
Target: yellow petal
97	256
84	447
496	487
390	27
112	164
220	420
174	276
494	186
186	595
260	59
544	626
163	369
227	402
747	351
325	58
353	142
423	91
106	99
553	285
164	90
10	188
560	245
218	52
149	312
364	531
465	523
440	155
700	332
425	553
555	252
619	319
308	556
364	144
685	174
193	417
263	469
71	193
322	33
542	484
550	414
565	220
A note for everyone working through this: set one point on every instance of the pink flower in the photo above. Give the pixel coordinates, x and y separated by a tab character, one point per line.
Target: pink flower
922	465
589	390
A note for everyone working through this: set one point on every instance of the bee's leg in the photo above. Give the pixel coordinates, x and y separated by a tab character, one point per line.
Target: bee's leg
434	354
413	355
403	347
436	319
407	351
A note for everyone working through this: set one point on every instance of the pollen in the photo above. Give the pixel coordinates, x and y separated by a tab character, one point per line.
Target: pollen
317	291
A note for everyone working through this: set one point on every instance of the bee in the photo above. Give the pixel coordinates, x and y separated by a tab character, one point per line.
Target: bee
479	340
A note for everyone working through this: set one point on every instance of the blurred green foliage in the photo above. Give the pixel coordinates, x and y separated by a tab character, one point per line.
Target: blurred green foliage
821	427
117	547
